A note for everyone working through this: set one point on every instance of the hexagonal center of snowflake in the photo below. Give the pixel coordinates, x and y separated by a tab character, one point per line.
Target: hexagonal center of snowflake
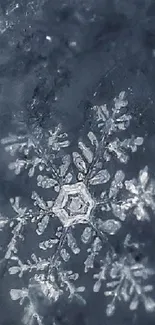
74	204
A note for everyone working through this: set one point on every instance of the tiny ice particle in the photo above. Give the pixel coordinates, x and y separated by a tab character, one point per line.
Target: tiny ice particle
49	38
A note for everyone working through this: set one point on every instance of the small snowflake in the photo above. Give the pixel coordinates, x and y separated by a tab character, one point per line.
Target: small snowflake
142	195
125	281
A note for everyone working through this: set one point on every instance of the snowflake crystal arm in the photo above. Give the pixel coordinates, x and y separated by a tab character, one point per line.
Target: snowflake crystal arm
33	155
24	145
3	221
66	278
109	124
37	264
16	224
117	147
57	140
43	215
116	121
30	312
14	143
93	252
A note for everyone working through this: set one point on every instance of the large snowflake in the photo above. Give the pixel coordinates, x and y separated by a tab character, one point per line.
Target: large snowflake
89	199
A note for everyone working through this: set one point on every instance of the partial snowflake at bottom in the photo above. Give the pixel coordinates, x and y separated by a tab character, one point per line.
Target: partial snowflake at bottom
84	200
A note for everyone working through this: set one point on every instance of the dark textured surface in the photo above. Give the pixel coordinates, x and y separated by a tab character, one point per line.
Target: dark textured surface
97	49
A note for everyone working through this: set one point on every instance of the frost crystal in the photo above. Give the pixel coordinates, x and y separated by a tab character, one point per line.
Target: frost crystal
127	284
125	281
89	198
142	195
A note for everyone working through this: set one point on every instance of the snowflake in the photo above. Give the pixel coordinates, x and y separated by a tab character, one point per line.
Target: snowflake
127	282
142	195
86	189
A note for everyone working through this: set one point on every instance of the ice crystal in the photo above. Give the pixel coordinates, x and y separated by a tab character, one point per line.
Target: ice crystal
126	280
86	189
142	195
